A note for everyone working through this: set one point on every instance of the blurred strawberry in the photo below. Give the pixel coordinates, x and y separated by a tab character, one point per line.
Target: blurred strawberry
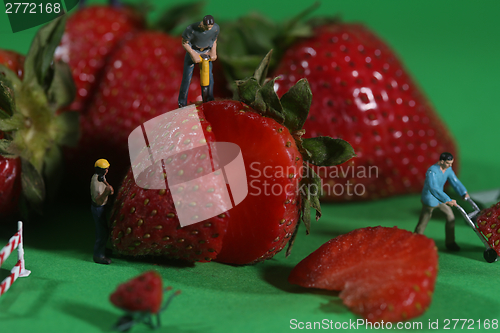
31	134
91	35
364	95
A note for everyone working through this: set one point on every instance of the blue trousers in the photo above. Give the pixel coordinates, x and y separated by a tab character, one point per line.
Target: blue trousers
101	231
187	74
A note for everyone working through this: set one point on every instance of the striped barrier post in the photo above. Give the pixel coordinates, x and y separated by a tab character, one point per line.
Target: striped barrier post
19	270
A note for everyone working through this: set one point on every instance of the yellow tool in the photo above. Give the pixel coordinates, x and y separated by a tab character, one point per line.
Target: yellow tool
204	76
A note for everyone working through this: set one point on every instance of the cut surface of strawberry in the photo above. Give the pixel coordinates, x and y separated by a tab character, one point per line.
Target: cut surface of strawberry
143	293
382	273
263	223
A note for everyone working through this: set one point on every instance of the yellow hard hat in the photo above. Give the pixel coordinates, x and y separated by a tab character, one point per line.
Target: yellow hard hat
102	163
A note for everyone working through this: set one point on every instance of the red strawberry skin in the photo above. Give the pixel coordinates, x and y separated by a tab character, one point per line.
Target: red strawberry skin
262	224
10	185
145	221
13	61
488	223
141	294
364	95
91	35
383	273
140	82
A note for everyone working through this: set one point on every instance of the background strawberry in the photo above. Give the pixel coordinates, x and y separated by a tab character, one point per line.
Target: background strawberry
364	95
143	293
32	89
10	168
269	136
384	274
91	35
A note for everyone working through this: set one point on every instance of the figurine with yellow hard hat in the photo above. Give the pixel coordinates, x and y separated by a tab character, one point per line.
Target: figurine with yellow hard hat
99	191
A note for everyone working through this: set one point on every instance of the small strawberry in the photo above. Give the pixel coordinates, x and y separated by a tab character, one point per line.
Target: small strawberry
91	35
383	274
141	294
364	95
488	222
282	188
32	90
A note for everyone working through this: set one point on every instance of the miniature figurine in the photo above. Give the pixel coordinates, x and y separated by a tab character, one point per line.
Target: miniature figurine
433	197
198	39
99	191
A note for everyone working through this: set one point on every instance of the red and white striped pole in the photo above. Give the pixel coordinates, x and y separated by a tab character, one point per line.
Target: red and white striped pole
19	269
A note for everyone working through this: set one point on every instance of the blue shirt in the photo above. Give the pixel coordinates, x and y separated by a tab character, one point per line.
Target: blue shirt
433	194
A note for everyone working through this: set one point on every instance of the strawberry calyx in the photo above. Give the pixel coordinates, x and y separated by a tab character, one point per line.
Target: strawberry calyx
291	110
34	132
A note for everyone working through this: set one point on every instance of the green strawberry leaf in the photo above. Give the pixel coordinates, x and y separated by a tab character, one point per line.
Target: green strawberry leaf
292	241
12	124
33	185
247	90
68	125
62	91
327	151
38	66
5	147
273	108
7	100
260	73
296	103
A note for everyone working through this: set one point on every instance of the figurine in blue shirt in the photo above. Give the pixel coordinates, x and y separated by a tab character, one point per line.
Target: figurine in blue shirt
433	197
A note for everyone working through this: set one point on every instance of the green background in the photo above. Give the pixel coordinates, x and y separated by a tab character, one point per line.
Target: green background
451	48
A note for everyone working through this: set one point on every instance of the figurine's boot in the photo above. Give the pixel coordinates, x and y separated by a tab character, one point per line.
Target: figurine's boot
449	228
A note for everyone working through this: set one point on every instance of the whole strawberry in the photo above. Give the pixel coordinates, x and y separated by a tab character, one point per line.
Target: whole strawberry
31	133
141	294
90	36
383	274
281	187
364	95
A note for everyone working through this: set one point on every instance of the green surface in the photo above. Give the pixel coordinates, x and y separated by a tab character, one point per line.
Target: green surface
451	47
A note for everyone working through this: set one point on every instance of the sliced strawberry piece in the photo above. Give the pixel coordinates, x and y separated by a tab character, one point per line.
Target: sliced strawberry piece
383	273
141	294
262	224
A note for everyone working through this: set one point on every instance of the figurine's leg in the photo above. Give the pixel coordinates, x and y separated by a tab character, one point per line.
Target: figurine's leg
211	84
186	80
82	3
449	228
101	235
115	3
425	216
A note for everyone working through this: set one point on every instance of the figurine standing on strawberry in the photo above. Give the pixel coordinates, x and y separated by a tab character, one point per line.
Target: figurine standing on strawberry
100	190
198	38
433	197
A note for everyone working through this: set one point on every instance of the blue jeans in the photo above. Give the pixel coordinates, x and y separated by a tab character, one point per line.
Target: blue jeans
101	231
186	81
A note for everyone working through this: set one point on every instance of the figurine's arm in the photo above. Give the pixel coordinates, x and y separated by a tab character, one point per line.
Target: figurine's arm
194	55
457	185
213	51
438	192
101	198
